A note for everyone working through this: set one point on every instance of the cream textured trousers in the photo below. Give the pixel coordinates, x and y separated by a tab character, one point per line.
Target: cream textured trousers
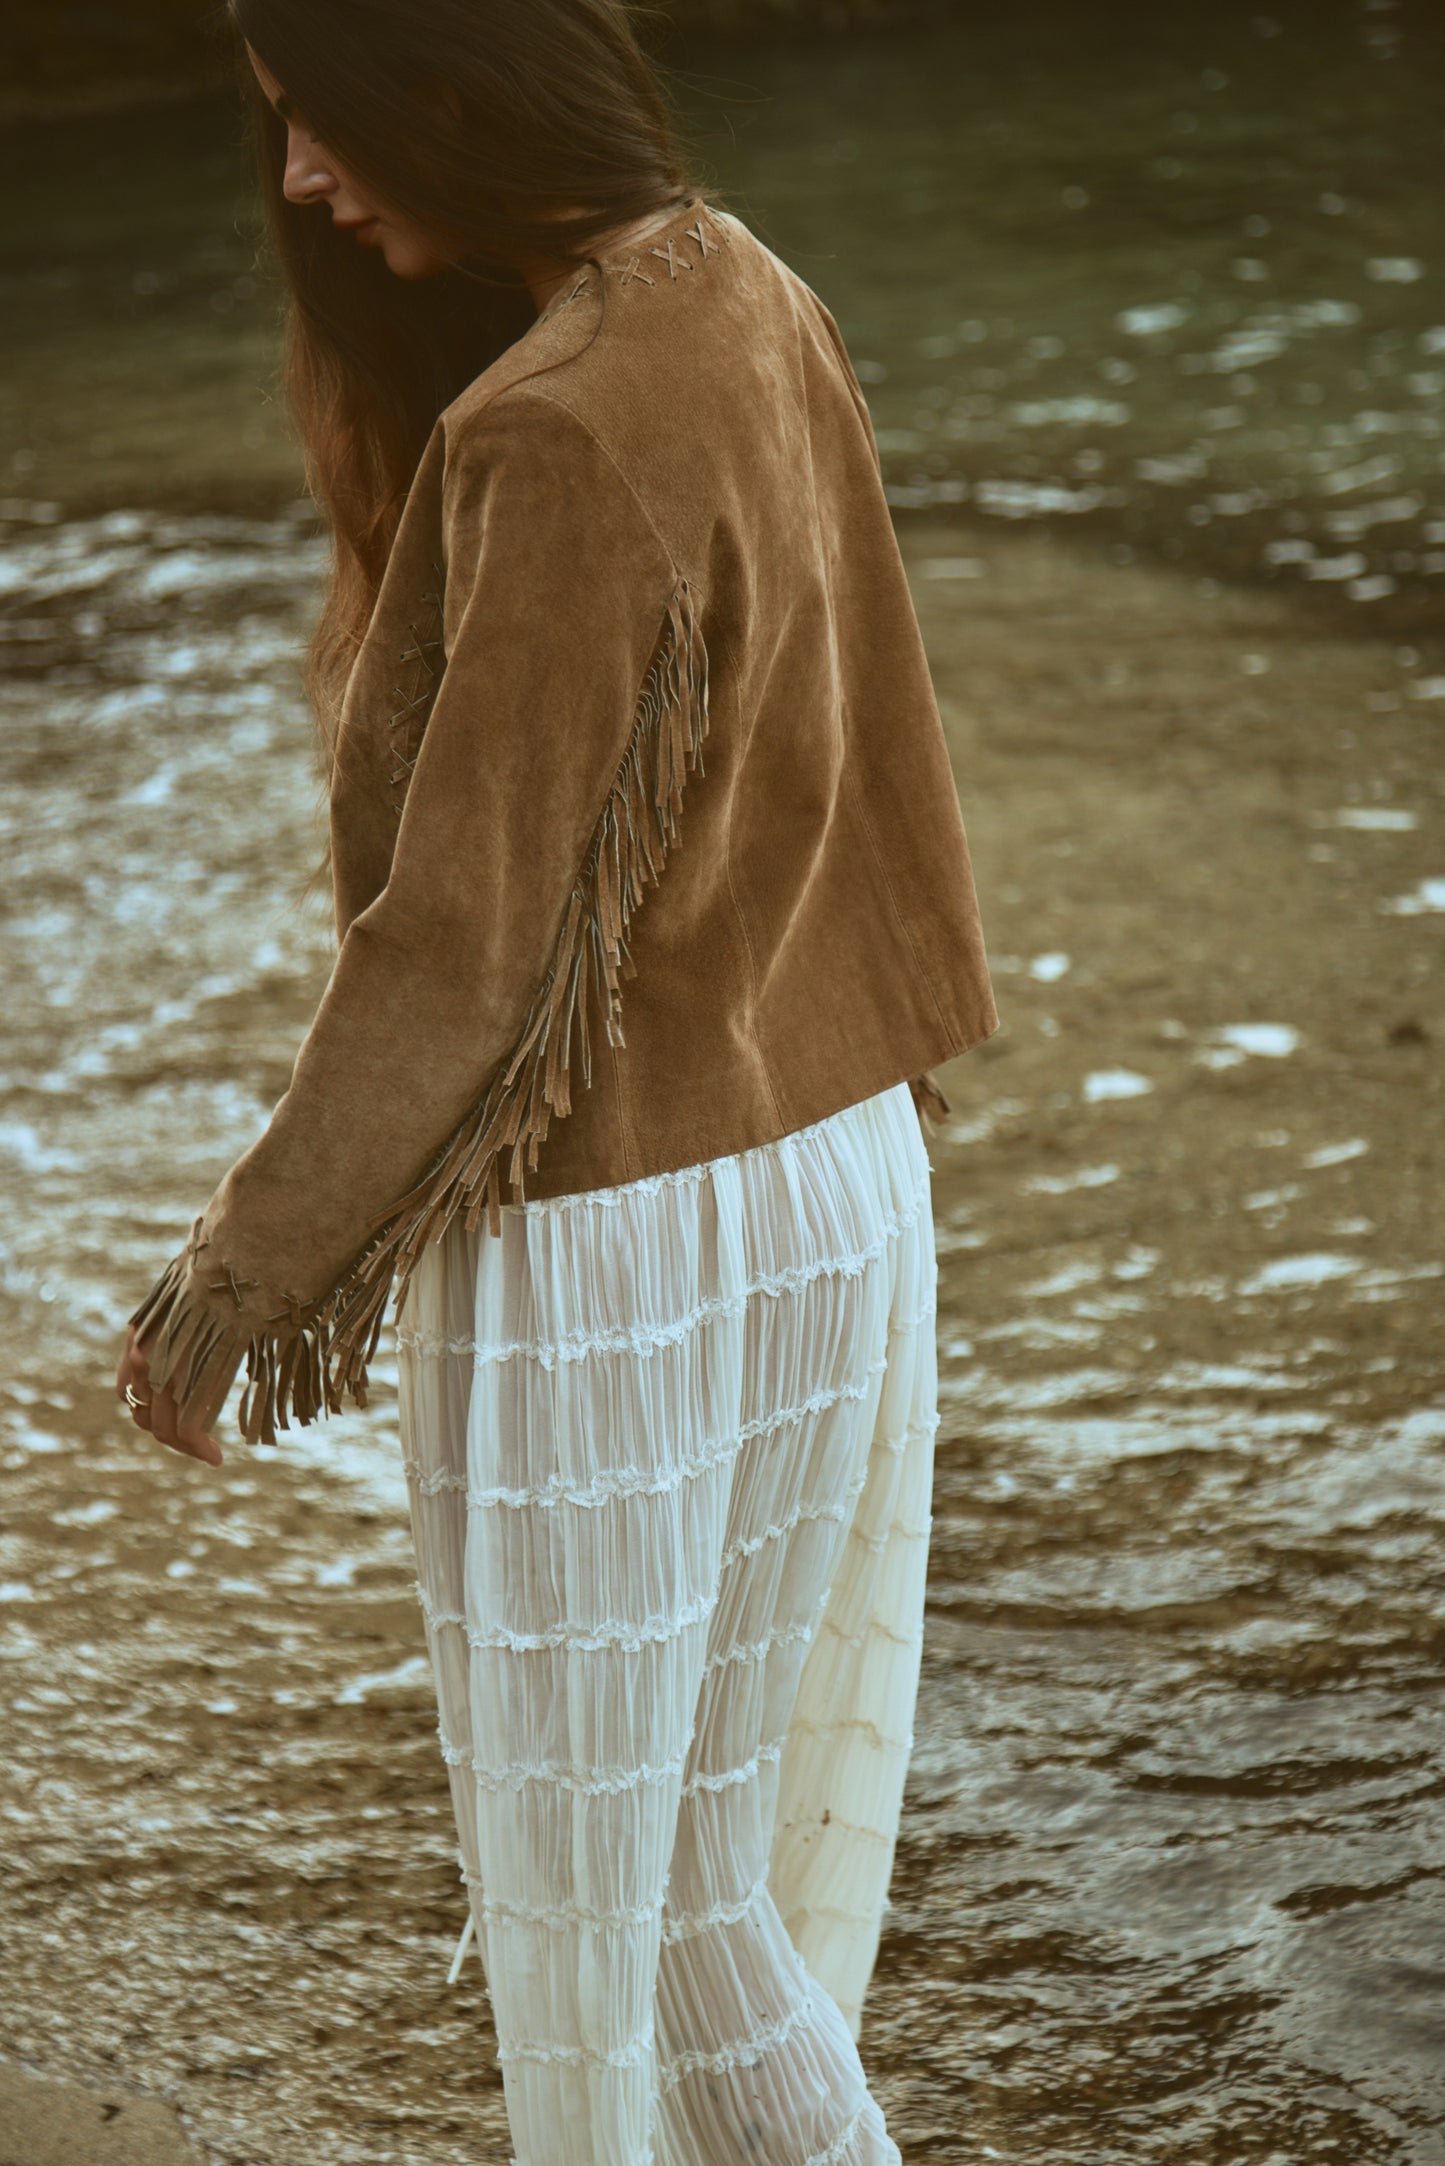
670	1450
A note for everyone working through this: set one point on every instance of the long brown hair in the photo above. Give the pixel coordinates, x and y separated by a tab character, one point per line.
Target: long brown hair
487	120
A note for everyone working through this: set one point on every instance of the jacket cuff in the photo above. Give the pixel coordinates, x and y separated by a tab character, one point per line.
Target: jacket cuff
201	1322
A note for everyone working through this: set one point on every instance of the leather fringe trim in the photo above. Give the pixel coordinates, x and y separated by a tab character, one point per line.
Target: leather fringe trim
194	1354
929	1101
628	850
310	1354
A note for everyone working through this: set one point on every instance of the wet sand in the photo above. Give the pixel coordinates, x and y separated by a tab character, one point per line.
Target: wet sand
1169	1879
49	2122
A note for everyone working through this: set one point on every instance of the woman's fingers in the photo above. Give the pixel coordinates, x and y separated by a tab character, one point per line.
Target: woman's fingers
156	1411
167	1428
162	1422
131	1369
133	1384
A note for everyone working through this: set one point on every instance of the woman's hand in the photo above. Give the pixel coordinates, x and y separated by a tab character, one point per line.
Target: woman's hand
156	1411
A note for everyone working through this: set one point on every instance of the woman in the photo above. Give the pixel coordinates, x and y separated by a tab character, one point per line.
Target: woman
616	607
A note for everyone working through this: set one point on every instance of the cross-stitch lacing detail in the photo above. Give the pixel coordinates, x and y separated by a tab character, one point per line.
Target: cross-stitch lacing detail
668	254
632	272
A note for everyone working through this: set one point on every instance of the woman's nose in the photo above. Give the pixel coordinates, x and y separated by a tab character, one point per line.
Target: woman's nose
307	177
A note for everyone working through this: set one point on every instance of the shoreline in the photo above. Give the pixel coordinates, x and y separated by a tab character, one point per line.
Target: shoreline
1410	617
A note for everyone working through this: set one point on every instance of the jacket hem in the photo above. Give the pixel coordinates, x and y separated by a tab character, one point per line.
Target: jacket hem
913	1069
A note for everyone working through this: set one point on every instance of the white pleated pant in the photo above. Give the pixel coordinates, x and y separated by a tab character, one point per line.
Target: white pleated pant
669	1450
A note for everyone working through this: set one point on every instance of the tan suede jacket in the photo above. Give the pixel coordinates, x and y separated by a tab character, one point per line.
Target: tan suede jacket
644	627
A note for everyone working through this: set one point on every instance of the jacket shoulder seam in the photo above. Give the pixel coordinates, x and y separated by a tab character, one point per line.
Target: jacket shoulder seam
519	391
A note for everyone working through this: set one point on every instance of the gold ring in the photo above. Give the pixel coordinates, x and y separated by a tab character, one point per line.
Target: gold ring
136	1405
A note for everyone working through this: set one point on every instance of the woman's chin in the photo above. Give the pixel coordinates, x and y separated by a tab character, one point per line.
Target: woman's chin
408	259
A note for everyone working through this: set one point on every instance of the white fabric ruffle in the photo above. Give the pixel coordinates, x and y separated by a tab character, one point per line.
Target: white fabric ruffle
669	1450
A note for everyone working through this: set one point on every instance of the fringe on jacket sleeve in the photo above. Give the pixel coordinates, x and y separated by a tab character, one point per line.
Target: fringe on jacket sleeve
308	1355
582	988
929	1100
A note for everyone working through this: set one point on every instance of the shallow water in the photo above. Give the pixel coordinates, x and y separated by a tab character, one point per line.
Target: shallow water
1170	1879
1174	278
1171	277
